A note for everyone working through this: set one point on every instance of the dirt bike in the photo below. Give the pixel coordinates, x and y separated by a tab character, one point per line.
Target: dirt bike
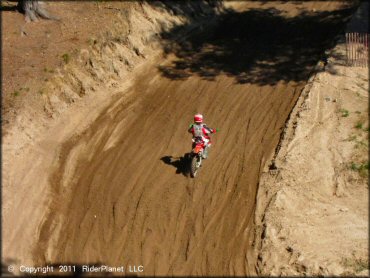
196	156
198	153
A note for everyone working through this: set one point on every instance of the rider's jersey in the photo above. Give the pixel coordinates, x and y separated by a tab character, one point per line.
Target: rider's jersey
201	130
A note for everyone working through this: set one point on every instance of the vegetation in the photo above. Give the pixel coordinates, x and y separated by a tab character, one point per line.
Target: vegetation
66	58
357	265
345	112
359	125
360	144
361	168
48	70
351	138
18	92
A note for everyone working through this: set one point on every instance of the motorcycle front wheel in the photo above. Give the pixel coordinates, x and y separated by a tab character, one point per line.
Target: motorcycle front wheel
194	166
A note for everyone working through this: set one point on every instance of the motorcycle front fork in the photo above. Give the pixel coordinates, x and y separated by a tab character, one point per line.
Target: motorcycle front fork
205	152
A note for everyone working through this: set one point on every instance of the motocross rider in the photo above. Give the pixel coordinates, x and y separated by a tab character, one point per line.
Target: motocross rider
201	130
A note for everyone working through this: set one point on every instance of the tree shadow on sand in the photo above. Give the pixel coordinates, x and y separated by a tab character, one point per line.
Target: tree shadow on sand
261	46
190	9
180	163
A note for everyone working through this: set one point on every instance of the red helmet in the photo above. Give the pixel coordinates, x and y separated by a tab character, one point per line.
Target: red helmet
198	118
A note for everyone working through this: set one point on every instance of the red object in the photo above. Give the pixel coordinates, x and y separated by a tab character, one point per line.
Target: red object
198	118
198	147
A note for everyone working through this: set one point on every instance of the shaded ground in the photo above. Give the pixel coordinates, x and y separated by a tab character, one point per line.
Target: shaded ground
259	46
181	163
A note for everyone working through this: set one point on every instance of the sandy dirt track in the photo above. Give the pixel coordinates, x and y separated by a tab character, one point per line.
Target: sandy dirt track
120	192
144	210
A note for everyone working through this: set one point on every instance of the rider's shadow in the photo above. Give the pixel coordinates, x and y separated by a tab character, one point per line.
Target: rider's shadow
180	163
